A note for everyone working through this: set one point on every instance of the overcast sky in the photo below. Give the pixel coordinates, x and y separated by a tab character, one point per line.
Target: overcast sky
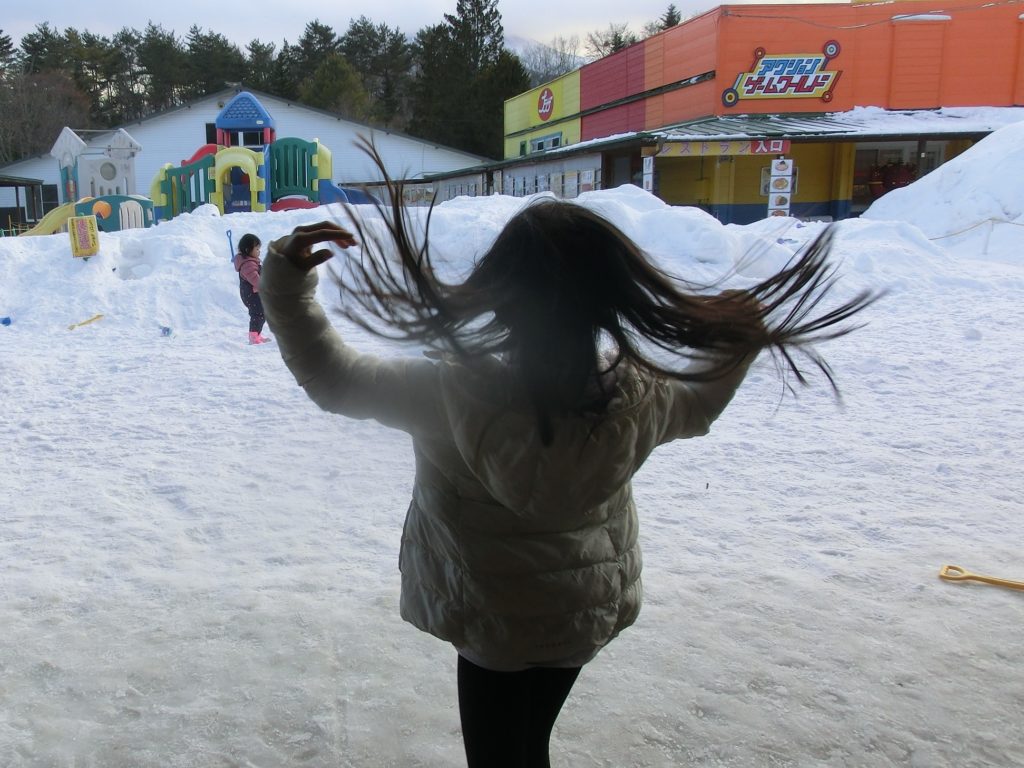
538	20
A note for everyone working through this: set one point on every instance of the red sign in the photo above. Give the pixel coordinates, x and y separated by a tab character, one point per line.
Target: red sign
769	146
545	104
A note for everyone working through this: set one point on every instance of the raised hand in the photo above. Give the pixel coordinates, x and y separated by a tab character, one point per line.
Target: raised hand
299	246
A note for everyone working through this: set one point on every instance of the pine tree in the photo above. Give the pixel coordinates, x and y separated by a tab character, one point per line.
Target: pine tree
671	17
260	66
318	42
464	76
431	98
163	60
6	53
383	58
335	86
477	32
212	61
43	50
125	76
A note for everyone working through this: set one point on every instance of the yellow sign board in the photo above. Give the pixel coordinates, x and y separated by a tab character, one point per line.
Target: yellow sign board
713	147
85	239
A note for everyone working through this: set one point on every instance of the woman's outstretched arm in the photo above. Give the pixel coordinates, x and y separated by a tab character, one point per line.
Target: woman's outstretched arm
335	376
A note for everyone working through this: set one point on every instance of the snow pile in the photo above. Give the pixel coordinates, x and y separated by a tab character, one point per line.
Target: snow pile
973	203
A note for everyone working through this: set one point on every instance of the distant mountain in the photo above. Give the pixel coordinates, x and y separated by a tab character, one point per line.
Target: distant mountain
518	45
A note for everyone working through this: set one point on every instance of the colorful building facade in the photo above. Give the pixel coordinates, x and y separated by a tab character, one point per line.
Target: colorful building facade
697	113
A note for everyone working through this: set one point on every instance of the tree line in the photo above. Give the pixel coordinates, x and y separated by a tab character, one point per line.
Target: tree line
447	83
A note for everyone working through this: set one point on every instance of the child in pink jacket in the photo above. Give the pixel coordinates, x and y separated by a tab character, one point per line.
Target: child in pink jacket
248	265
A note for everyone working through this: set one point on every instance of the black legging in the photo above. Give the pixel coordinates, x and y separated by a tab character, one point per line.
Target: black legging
253	303
507	716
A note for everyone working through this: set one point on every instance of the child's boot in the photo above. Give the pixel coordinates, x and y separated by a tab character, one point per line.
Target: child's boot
256	338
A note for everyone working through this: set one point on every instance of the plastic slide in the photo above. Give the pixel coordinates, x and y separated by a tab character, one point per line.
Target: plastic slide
332	193
53	221
203	151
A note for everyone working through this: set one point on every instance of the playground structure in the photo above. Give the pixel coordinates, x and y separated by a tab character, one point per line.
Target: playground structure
106	176
112	212
270	174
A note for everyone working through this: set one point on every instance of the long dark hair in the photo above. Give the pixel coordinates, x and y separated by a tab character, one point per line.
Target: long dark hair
558	279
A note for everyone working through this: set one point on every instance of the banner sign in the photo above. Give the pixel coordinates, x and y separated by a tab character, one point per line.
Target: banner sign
786	76
85	240
713	148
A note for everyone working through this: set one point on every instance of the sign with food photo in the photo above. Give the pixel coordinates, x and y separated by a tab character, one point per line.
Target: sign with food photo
774	184
777	185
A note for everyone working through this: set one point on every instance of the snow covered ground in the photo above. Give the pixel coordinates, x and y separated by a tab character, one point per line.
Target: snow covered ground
199	568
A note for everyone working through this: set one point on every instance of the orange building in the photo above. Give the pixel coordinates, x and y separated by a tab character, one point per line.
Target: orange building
856	98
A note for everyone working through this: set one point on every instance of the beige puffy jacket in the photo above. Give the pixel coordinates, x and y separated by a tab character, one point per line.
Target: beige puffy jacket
519	554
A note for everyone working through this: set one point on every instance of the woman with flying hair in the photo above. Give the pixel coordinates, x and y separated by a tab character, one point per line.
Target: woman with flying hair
562	361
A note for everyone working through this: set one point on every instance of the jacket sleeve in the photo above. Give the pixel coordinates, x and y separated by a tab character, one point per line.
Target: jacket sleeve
400	392
692	406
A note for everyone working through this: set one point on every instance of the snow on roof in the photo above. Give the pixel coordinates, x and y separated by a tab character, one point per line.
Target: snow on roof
862	122
857	122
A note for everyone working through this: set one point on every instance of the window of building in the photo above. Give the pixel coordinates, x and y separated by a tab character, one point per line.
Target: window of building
50	198
882	166
541	143
211	133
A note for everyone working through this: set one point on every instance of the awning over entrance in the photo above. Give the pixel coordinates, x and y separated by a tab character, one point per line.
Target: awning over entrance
13	217
19	181
772	134
861	124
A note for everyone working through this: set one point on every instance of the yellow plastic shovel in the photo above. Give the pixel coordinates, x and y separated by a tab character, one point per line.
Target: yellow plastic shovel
92	319
956	573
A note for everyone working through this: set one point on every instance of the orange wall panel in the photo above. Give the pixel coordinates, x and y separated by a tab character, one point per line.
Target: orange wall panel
979	51
654	72
916	64
970	58
1018	82
690	48
688	103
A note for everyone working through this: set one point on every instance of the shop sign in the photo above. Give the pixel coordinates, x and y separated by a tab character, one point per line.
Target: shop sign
780	186
786	76
713	148
545	104
85	241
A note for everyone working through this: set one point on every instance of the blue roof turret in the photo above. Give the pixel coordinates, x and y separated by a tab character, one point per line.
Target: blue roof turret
244	113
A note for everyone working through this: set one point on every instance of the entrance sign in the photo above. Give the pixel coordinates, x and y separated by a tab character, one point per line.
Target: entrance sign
715	148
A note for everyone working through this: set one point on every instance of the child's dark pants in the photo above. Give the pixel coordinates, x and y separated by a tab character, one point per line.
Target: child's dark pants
254	304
